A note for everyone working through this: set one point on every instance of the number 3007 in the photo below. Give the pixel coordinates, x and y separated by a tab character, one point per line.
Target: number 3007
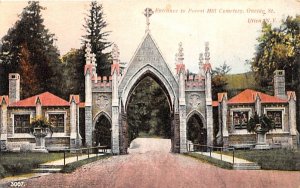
17	184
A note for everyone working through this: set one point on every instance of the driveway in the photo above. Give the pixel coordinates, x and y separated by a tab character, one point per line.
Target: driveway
150	164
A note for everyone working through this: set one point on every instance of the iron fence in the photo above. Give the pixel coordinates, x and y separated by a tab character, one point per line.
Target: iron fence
209	149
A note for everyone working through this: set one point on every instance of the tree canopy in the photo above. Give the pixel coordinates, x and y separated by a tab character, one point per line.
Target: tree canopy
28	48
219	80
278	48
95	34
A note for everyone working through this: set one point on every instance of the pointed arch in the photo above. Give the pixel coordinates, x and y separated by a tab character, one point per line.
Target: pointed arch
99	114
193	112
149	70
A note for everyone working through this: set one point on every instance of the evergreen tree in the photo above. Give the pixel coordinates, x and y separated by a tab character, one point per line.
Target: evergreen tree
95	34
219	80
29	80
42	55
73	64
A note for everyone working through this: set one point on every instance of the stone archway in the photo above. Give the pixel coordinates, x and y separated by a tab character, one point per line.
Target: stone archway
196	129
102	130
147	71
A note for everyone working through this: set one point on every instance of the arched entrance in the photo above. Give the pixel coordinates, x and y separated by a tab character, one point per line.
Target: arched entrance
149	117
196	130
102	130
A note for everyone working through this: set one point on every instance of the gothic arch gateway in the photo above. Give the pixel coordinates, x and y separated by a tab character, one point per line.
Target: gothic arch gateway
110	95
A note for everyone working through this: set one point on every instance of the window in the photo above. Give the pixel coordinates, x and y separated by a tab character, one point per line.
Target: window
22	123
240	119
276	116
58	122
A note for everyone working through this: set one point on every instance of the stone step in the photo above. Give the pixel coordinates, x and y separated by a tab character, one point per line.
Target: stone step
50	166
246	166
47	170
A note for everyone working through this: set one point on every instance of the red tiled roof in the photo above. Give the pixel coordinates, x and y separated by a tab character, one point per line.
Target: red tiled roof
215	103
248	96
46	98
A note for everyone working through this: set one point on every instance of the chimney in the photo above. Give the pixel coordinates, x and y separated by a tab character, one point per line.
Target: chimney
14	87
279	84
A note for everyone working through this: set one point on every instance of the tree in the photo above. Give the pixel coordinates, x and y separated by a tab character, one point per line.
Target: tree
29	80
279	48
42	55
219	80
73	63
95	34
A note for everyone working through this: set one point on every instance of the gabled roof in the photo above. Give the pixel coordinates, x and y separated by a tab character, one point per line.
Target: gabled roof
248	96
4	99
75	98
46	99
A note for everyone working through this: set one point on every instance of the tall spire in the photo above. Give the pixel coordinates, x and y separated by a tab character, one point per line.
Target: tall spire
207	54
88	51
201	68
180	53
148	12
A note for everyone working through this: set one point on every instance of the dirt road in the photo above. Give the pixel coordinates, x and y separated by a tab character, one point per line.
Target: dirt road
150	164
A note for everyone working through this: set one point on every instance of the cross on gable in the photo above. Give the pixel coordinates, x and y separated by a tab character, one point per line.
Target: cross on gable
148	12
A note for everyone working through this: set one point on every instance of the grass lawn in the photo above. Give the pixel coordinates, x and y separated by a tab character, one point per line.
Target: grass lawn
206	159
18	163
73	166
276	159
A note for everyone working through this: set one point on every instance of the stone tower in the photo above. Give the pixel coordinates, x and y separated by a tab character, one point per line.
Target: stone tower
14	87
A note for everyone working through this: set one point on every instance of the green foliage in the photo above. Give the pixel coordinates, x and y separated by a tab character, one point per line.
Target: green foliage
17	163
73	64
266	124
29	48
219	80
148	111
276	159
278	48
95	34
206	159
40	122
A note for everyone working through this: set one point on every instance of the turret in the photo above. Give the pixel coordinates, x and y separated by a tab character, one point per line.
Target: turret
115	73
89	73
208	95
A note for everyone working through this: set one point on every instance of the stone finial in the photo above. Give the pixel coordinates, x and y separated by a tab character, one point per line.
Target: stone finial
148	12
115	53
93	58
180	53
201	60
201	70
88	52
207	54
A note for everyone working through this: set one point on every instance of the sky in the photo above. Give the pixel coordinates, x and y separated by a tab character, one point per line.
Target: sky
230	26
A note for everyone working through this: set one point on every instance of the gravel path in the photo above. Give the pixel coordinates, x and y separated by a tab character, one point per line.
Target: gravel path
150	164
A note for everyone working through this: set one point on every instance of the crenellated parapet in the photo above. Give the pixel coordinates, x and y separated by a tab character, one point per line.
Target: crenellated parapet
102	84
194	82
